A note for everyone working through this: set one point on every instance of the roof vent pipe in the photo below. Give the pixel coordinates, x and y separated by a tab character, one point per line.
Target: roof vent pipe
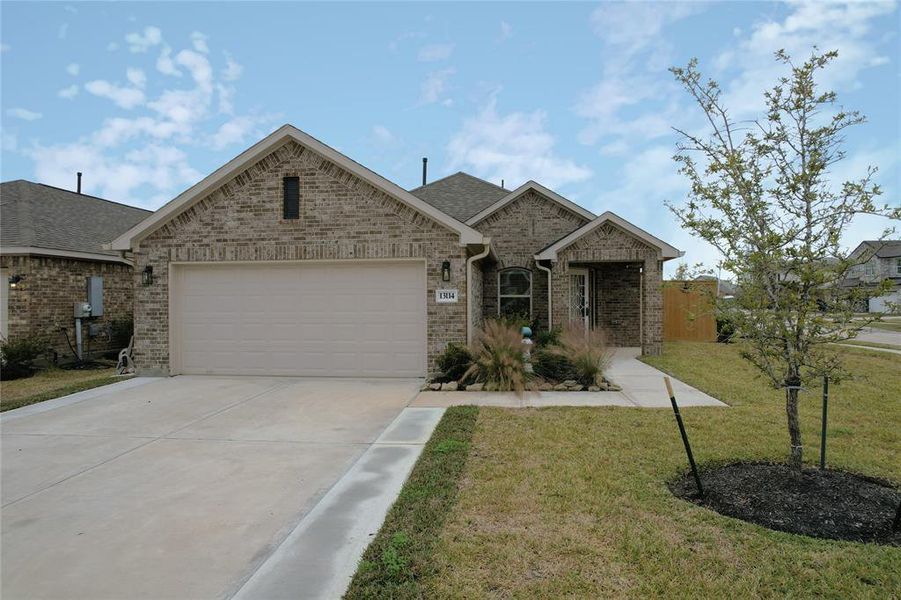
425	168
502	184
79	182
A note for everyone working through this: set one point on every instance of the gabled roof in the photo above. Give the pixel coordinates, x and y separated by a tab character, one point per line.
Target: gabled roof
530	185
42	219
666	251
460	195
286	132
880	248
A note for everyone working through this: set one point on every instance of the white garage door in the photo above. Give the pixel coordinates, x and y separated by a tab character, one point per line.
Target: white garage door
315	319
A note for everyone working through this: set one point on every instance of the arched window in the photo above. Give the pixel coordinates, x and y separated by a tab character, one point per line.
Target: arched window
514	292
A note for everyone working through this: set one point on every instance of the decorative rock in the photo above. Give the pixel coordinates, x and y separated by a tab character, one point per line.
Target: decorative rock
593	388
614	388
570	382
475	387
449	387
425	387
544	386
435	387
561	387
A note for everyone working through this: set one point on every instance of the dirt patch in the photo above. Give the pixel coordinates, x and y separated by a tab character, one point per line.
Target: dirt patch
827	504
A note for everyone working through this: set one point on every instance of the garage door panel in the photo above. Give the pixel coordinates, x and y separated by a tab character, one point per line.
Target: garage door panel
347	319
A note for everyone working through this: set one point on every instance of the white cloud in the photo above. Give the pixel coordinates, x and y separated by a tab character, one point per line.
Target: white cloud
506	31
198	40
68	92
124	97
515	146
232	70
435	52
63	31
142	158
9	142
435	86
112	47
73	69
165	64
633	26
143	41
5	47
845	27
382	134
23	113
136	77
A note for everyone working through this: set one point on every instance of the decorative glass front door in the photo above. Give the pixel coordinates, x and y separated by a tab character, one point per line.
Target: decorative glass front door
578	296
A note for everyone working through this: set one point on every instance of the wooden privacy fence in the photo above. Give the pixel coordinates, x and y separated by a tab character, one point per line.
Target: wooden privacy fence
688	311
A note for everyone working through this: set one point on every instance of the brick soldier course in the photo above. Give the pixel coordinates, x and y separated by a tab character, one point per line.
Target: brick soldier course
349	213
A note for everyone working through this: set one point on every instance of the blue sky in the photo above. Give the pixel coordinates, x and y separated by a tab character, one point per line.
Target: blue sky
147	98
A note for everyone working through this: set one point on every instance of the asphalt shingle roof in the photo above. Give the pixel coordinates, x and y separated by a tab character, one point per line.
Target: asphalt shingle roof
460	195
885	248
42	216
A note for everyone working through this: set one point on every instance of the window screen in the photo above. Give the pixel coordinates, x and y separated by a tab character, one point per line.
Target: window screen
291	205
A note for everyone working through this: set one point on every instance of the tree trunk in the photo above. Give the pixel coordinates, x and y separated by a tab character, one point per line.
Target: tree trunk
794	426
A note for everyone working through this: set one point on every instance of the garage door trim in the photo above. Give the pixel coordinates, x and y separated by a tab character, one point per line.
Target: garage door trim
175	364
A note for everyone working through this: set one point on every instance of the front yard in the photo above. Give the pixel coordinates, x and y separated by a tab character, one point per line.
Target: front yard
573	501
52	383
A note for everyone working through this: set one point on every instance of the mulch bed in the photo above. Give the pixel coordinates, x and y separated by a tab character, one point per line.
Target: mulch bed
827	504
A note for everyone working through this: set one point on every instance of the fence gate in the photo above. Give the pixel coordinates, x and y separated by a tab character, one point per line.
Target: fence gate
688	311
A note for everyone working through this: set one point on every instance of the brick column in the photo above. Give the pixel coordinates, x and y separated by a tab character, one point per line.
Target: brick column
652	306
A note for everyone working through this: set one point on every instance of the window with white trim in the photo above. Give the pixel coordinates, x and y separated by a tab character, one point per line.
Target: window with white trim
898	266
514	292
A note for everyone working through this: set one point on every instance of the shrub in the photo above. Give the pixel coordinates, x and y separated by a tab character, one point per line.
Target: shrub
725	330
553	367
545	338
586	350
454	362
497	358
17	356
121	331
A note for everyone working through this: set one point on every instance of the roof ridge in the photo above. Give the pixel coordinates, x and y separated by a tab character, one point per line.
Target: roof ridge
460	173
82	194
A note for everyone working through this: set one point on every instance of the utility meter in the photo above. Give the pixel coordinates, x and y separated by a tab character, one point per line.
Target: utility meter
82	310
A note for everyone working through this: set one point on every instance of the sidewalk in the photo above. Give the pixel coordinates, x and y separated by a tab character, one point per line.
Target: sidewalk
642	387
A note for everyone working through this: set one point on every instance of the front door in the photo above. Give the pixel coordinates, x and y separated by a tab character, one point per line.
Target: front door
578	297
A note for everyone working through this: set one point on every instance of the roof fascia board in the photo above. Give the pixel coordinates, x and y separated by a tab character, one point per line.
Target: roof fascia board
531	185
667	251
193	194
34	251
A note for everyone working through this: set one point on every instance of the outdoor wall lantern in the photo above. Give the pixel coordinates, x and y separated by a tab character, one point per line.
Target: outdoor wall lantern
445	271
15	280
147	275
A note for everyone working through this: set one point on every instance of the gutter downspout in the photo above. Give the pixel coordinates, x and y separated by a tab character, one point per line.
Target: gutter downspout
550	312
485	250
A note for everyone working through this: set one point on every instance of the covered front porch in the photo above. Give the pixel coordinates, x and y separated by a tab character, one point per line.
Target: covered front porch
608	276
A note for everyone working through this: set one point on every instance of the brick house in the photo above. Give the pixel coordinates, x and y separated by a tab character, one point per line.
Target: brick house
292	259
51	242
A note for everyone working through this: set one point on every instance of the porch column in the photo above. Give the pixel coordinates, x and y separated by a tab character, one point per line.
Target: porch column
652	306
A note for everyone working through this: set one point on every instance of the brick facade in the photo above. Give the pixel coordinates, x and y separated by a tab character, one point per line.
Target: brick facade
342	217
518	231
612	255
41	305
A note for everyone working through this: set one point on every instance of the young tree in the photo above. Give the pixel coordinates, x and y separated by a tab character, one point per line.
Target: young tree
760	194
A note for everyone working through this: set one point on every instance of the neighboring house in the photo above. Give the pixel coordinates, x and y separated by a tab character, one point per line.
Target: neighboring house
51	242
724	287
877	260
293	259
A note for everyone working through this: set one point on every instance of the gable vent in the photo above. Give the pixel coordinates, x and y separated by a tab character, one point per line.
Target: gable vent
291	203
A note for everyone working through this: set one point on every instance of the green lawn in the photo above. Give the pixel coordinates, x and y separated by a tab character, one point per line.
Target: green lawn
52	383
572	502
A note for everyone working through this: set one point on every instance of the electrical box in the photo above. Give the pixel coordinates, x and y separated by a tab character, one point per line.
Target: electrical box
82	310
94	295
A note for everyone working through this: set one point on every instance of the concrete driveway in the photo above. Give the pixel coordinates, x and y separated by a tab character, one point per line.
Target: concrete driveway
177	488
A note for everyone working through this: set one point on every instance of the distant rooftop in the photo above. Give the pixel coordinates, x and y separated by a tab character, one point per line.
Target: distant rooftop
42	216
884	248
460	195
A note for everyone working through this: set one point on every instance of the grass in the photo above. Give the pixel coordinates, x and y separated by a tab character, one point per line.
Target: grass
872	344
572	502
399	558
52	383
886	325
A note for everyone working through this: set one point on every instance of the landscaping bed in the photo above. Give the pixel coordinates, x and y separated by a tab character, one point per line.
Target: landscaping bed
819	503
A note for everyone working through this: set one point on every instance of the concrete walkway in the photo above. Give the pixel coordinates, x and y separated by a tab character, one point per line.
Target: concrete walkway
874	348
642	387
